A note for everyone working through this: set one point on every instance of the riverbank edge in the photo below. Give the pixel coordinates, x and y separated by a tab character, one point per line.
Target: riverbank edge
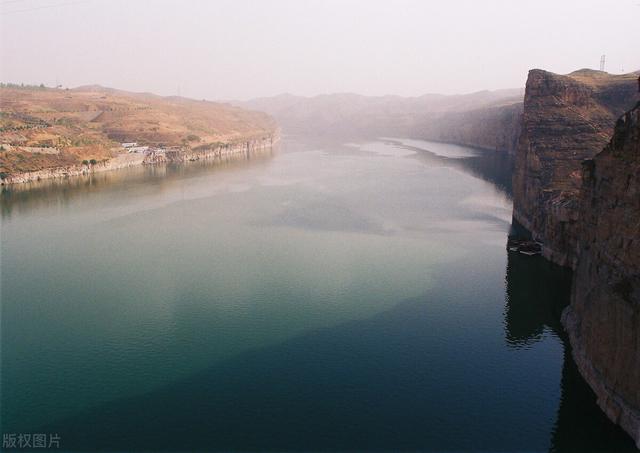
122	161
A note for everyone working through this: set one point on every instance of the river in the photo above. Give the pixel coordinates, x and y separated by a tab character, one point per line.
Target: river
334	297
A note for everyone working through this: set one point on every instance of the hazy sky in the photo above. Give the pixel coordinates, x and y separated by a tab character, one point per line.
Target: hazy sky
239	49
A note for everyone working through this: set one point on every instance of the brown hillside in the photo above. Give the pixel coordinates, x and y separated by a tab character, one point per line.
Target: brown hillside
43	127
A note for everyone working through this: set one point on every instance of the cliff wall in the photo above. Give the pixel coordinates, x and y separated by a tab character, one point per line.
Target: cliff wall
566	119
603	319
496	128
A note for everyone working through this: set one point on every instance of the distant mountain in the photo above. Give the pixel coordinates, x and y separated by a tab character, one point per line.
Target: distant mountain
432	116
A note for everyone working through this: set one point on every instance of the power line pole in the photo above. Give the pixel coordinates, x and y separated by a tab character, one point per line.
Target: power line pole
602	60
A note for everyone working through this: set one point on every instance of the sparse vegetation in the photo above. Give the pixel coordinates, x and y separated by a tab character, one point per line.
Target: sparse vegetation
88	125
22	86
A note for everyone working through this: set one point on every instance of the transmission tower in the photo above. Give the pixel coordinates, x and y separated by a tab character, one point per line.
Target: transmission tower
602	59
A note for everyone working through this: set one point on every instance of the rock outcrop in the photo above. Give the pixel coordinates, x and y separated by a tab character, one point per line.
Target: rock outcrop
603	319
566	119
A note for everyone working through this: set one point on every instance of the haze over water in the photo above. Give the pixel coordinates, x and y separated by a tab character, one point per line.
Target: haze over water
325	297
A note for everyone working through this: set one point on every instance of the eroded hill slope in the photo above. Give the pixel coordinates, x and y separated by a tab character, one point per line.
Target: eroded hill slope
44	128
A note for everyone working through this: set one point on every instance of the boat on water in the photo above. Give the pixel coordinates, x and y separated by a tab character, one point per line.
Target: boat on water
524	246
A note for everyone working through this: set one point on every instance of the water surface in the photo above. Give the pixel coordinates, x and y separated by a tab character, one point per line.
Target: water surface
324	297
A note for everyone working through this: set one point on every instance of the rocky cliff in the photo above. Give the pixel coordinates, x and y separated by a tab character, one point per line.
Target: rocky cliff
566	119
603	320
496	128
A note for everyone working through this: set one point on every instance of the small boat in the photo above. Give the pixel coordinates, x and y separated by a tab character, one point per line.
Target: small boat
524	246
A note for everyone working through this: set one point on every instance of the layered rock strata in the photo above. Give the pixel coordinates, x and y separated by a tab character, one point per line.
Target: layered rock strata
603	319
566	119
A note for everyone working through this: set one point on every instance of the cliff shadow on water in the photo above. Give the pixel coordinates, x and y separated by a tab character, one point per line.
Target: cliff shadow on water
360	386
537	291
495	167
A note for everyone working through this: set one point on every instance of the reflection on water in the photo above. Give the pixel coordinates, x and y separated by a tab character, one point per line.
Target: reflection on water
493	166
158	177
365	385
331	297
537	291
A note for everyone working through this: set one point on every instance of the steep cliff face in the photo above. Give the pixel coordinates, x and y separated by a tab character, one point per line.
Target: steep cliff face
496	127
603	320
566	119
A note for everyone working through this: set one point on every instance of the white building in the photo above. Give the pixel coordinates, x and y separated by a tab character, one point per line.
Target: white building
138	149
129	145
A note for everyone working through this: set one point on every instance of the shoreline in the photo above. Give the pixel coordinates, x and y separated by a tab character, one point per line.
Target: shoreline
123	161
